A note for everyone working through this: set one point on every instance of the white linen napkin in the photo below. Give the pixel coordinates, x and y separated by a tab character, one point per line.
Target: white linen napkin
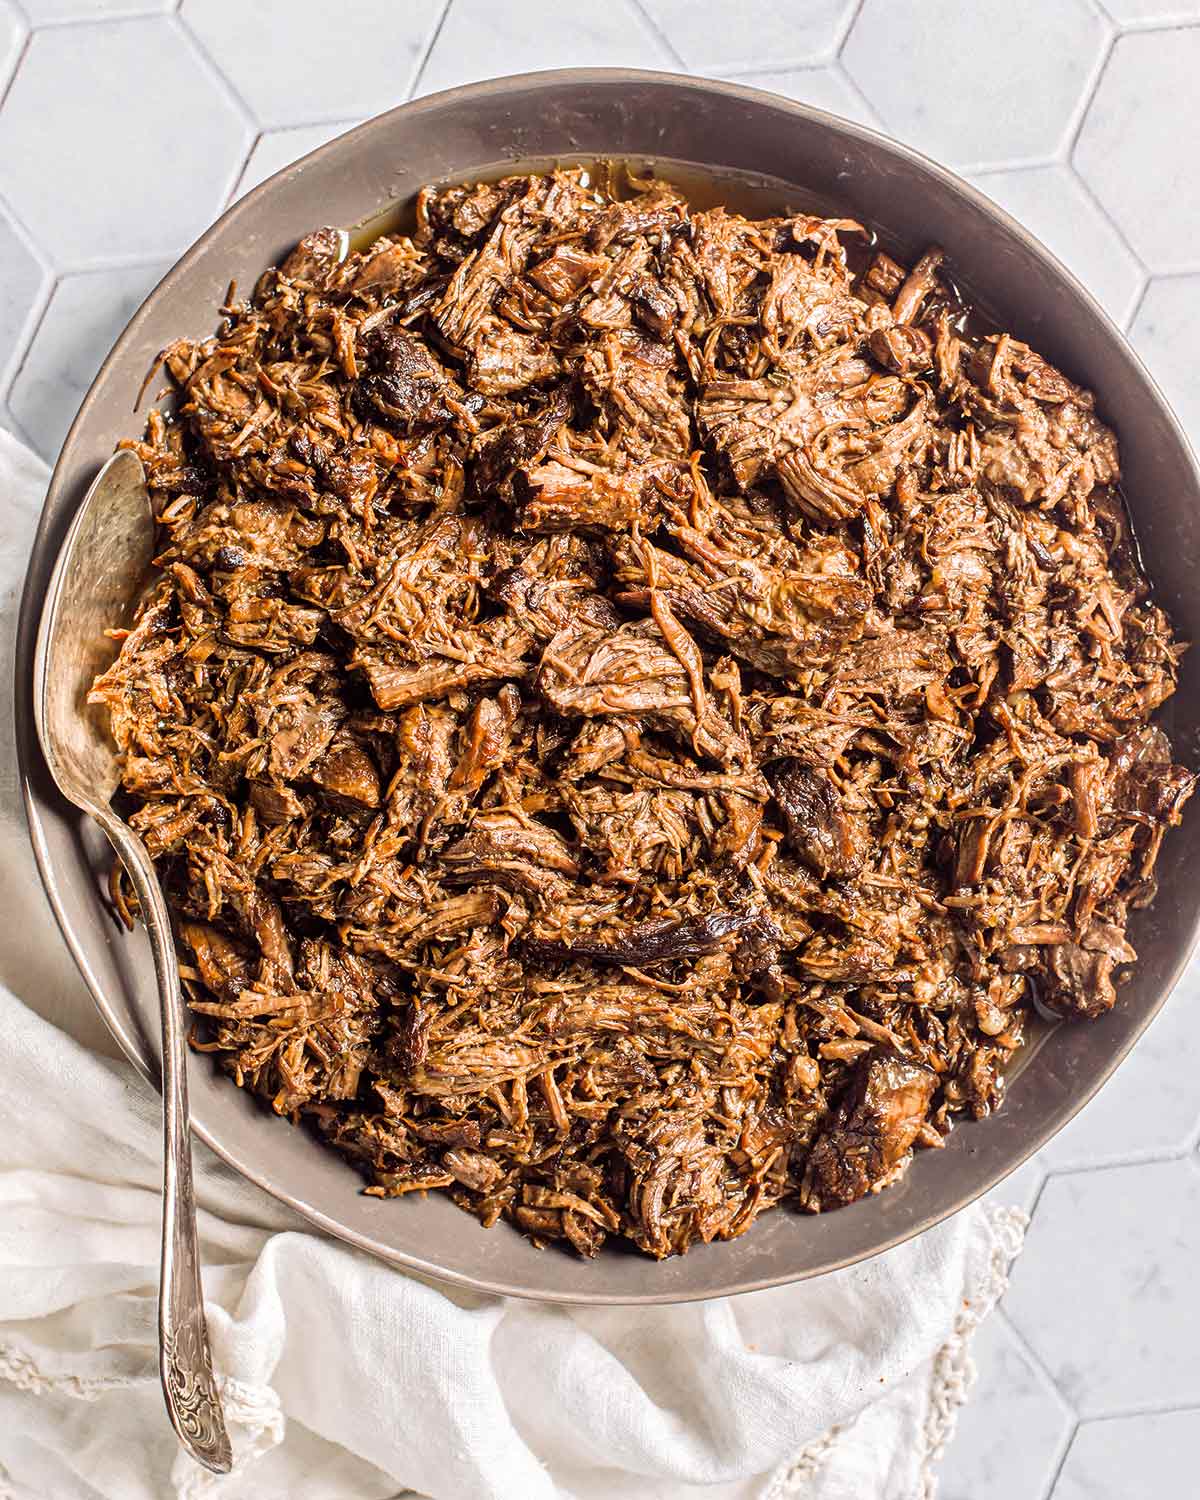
344	1379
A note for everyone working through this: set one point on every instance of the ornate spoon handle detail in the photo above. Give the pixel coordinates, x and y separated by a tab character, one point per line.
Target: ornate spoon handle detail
185	1361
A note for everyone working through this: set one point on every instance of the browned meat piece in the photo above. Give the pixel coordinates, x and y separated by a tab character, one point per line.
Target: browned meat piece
423	749
896	666
587	671
493	651
874	1129
390	264
315	256
779	622
556	583
826	837
1146	784
651	301
566	271
519	444
347	772
641	396
404	388
299	734
488	740
1078	976
885	276
1039	436
903	349
920	281
565	499
223	968
621	223
275	805
503	849
751	936
505	360
633	711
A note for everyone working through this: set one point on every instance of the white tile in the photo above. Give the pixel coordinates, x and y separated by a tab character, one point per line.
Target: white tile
1137	148
50	12
115	140
1011	1433
22	285
296	61
1150	1104
995	81
481	38
732	34
824	88
1022	1188
12	34
1152	12
276	149
1165	333
81	324
1105	1291
1054	205
1132	1458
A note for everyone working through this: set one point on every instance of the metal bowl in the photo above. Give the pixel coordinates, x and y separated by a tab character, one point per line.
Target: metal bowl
739	136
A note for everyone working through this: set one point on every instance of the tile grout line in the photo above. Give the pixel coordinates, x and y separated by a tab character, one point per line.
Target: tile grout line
1104	213
1138	303
750	71
1051	1387
230	198
1088	98
68	23
29	330
844	73
1039	1367
663	37
1176	273
345	122
1151	1157
1149	28
856	12
423	61
970	169
1131	1412
18	63
1037	1197
35	327
116	262
1052	1485
19	430
179	22
43	257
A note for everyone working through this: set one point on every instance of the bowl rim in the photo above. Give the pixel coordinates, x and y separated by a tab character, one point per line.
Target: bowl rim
28	751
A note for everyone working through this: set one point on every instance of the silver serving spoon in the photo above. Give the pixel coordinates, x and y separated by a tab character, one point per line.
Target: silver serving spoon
95	584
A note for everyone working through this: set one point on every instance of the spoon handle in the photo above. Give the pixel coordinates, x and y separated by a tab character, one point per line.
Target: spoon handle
185	1361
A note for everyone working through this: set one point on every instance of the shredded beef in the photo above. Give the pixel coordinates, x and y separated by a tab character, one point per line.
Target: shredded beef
634	704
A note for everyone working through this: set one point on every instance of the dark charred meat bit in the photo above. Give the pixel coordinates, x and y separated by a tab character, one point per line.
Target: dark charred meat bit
819	828
658	941
634	705
403	389
874	1129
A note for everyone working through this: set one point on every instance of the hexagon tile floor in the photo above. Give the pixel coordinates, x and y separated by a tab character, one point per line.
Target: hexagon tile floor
1079	117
